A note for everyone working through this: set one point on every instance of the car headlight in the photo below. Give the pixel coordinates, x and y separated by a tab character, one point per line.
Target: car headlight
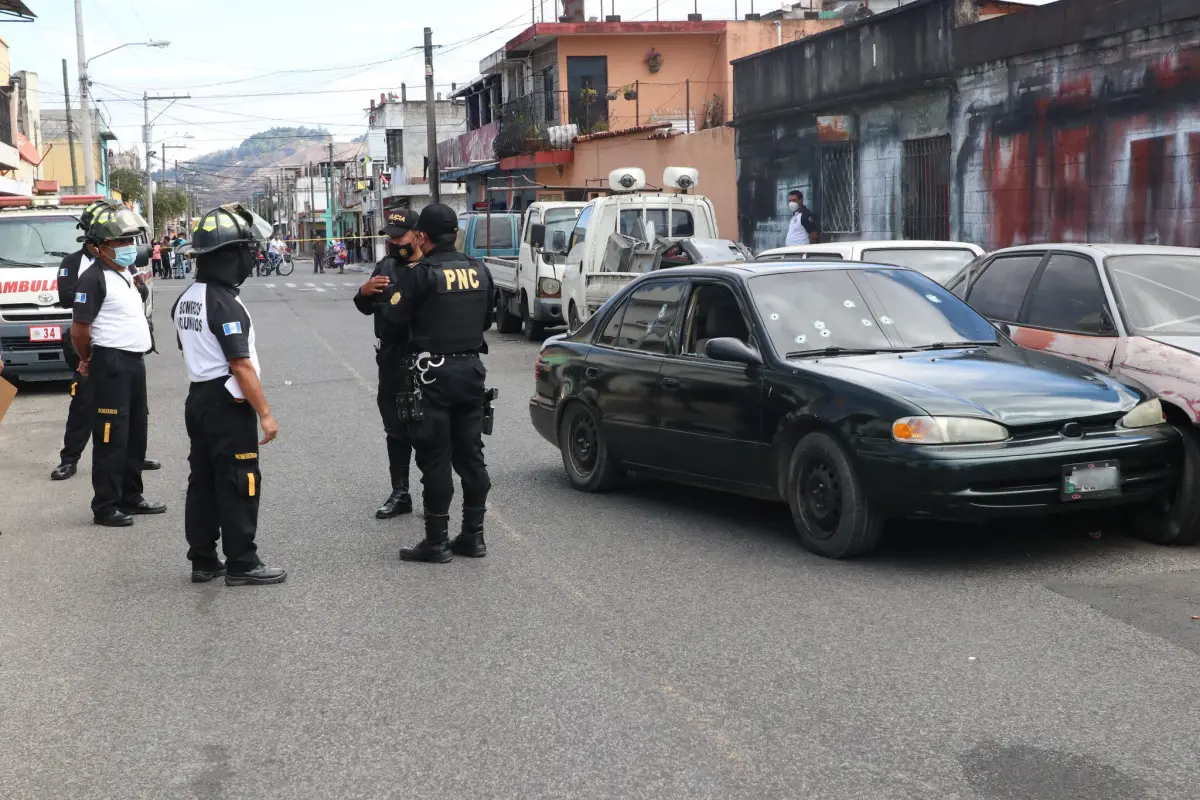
947	430
1144	415
549	287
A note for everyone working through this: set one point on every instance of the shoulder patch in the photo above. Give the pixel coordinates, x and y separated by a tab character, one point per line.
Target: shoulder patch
231	328
64	272
81	297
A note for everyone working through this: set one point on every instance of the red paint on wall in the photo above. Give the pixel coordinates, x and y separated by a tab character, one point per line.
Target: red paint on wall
1070	210
1006	160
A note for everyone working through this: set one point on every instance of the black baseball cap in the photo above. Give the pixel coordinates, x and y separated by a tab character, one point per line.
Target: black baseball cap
398	223
437	219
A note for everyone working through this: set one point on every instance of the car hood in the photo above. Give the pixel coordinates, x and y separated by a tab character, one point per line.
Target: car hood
1188	343
1009	384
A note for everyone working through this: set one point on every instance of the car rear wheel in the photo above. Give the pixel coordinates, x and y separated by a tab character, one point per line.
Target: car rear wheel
505	322
585	455
1176	520
530	328
829	505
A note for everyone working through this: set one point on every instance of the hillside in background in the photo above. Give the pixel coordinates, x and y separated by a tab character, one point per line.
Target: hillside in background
234	174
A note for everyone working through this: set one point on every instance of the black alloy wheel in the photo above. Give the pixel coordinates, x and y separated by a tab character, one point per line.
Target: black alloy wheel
830	507
821	497
584	452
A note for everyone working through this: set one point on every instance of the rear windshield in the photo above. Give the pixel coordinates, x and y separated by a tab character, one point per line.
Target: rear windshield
1160	294
939	263
37	241
501	234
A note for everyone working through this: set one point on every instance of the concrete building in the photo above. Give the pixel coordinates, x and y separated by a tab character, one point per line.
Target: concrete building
1070	121
20	130
405	153
57	163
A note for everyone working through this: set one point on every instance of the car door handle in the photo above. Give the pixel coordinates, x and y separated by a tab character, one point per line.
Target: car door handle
591	372
669	383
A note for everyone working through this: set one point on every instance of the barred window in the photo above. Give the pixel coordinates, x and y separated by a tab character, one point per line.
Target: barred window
838	212
925	187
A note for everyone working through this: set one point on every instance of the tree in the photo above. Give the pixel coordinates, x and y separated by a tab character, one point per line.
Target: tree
129	183
170	205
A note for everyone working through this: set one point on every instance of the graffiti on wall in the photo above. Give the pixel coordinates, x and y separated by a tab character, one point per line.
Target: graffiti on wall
1082	152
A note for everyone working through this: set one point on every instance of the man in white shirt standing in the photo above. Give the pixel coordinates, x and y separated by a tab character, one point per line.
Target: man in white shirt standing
802	227
216	336
111	336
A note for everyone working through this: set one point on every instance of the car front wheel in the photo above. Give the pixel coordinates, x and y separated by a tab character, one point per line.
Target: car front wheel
1176	519
829	504
585	454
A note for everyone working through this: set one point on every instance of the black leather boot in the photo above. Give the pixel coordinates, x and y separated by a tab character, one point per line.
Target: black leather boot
398	502
435	547
470	542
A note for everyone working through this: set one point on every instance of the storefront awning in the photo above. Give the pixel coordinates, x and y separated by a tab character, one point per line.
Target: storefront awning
455	175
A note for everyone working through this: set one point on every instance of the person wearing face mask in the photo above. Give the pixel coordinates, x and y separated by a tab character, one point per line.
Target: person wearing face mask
225	404
111	336
391	356
802	228
447	300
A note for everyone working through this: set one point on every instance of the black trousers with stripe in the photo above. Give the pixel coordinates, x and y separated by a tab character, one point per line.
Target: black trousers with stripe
119	428
79	419
225	481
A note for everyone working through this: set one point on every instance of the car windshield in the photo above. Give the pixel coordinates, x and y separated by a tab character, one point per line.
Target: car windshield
939	263
1160	294
559	224
37	241
811	311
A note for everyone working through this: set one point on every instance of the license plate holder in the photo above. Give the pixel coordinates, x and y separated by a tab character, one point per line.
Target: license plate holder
45	333
1093	480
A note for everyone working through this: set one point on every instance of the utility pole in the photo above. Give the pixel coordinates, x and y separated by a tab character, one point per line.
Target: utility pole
89	161
377	173
70	129
146	98
329	197
435	178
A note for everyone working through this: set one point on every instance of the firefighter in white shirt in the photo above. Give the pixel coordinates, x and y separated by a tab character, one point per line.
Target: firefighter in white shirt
111	335
217	339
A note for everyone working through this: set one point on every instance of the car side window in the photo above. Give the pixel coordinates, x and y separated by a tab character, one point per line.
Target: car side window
649	317
999	292
959	284
1069	297
608	336
580	231
713	313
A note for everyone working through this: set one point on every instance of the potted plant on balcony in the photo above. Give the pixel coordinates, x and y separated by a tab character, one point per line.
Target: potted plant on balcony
629	92
612	94
654	60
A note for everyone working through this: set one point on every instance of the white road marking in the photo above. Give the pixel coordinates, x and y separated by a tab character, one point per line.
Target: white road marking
290	285
310	285
319	289
331	284
268	286
347	283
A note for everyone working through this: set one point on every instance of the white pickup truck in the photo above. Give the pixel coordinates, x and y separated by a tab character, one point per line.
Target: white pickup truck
634	230
529	287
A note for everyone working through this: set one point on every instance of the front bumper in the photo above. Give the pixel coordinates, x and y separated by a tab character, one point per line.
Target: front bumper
545	310
32	361
979	482
544	416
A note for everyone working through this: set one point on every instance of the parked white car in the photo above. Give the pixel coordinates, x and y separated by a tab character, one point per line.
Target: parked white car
938	260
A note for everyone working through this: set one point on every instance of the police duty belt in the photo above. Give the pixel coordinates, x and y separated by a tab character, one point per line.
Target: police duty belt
425	363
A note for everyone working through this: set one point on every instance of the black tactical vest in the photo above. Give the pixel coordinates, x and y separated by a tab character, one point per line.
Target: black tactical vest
454	299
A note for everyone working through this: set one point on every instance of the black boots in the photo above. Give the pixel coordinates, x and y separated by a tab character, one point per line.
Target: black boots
470	542
64	470
435	547
398	502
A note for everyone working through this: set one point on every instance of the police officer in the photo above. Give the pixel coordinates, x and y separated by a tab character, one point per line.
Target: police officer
80	413
217	339
111	335
392	357
447	301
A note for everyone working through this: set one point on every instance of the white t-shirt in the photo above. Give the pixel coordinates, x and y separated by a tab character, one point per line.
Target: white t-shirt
110	302
214	328
276	246
797	234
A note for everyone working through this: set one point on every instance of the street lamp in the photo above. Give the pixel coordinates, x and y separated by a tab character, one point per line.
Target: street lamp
89	164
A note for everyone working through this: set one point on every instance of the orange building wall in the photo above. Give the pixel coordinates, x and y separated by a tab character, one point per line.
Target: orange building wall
709	151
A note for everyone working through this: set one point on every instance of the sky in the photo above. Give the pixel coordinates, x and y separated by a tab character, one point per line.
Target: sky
250	65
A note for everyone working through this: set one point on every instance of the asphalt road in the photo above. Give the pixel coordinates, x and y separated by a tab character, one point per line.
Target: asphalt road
657	642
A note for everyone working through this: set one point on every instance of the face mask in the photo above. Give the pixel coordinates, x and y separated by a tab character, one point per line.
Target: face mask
125	256
401	252
794	206
245	266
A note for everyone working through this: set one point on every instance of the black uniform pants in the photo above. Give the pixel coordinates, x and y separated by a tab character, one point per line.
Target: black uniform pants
119	428
451	438
393	379
225	482
79	419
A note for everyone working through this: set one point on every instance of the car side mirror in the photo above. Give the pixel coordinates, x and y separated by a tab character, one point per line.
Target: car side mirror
143	255
559	243
1107	325
728	348
537	235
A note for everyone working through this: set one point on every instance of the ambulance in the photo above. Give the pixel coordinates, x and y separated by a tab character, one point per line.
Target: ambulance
36	233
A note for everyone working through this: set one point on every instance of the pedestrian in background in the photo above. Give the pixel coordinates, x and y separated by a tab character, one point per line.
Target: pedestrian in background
111	335
447	300
217	336
318	256
802	227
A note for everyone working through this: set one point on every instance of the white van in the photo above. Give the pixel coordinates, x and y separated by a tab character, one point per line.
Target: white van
938	260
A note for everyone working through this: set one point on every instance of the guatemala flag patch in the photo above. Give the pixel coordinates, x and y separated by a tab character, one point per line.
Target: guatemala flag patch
64	272
81	297
231	328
